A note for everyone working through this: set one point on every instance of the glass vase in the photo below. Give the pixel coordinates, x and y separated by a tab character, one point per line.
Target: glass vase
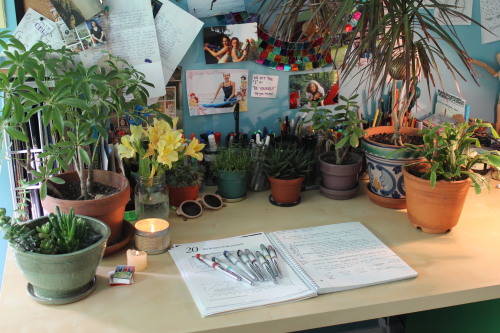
151	198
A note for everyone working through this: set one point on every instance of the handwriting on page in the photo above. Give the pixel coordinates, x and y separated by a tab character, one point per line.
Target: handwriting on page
264	86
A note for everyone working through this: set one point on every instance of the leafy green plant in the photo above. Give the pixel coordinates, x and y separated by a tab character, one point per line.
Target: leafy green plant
235	158
287	162
449	154
74	102
185	175
340	129
63	233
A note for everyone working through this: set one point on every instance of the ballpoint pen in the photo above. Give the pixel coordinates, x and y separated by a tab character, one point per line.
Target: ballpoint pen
217	267
267	257
266	265
244	258
232	270
274	259
254	264
240	265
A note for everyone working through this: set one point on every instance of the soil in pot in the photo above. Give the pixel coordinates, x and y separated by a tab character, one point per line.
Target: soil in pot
386	138
71	191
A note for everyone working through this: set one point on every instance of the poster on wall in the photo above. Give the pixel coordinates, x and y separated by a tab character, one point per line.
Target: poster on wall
230	43
206	8
321	87
490	19
215	91
462	6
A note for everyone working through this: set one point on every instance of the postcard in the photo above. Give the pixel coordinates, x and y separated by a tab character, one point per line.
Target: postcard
306	88
230	43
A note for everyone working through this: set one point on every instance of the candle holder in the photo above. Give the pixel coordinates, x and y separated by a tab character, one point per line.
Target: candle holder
152	236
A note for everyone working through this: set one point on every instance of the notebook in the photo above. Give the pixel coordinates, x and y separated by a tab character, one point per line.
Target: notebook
312	261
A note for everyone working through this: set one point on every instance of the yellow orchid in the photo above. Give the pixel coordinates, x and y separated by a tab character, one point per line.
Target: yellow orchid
167	155
194	149
125	149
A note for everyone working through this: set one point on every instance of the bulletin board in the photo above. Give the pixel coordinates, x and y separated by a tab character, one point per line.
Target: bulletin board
38	5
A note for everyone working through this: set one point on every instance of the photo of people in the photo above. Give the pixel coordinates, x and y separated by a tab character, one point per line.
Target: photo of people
311	89
96	31
74	12
216	91
230	43
207	8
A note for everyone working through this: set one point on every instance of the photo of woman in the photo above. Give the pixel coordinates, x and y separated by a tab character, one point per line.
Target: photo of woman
97	33
222	54
238	54
314	91
229	88
314	88
230	43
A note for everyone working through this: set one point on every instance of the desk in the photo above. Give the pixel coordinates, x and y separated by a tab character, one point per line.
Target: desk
455	268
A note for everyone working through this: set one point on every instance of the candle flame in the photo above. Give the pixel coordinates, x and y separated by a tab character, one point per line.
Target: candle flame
137	253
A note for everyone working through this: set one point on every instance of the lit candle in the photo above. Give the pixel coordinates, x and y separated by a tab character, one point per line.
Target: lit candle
152	235
139	259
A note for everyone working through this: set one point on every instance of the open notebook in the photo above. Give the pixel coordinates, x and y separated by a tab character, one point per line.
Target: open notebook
313	261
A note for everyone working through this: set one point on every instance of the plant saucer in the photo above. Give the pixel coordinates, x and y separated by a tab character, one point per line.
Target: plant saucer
279	204
84	292
124	239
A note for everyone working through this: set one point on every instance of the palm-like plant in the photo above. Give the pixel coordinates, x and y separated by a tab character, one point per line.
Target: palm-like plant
402	36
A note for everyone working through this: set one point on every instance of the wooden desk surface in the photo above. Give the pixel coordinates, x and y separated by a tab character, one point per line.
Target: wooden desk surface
455	268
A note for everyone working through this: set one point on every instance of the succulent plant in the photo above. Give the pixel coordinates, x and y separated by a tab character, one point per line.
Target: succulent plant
287	162
185	175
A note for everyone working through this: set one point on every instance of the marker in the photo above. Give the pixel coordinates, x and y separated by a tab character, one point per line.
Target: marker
217	267
254	264
274	259
244	258
266	265
232	270
239	264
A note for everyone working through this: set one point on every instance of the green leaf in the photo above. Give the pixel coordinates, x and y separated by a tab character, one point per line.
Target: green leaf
84	155
57	180
354	141
78	103
16	134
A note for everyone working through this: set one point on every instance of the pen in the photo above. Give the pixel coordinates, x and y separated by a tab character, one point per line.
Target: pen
239	264
217	267
244	258
265	264
254	264
232	270
274	259
267	257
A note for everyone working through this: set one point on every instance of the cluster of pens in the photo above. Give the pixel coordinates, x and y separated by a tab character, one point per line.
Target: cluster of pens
294	126
258	148
249	268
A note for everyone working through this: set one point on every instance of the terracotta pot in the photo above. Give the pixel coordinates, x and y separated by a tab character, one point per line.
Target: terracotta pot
339	178
386	176
286	191
177	195
434	210
109	209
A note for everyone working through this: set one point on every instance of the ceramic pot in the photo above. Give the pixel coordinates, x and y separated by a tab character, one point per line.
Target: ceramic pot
286	191
109	209
339	181
178	195
63	278
232	185
386	174
434	210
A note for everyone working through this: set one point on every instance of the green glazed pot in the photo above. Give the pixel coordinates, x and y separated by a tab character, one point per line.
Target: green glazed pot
62	278
232	185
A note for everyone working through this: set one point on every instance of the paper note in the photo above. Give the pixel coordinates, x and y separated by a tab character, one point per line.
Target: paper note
490	19
132	36
462	6
35	27
176	30
264	86
206	8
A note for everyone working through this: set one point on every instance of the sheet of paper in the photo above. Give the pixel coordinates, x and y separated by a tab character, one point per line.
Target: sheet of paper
449	105
132	36
176	30
264	86
490	18
35	27
206	8
463	6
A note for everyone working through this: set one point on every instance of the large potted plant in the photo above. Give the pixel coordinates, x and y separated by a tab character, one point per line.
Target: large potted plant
339	131
440	183
286	167
58	254
405	41
74	104
184	183
232	168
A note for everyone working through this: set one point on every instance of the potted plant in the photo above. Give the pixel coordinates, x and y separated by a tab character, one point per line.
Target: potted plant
74	104
339	131
58	254
286	167
184	183
404	41
439	184
232	168
156	148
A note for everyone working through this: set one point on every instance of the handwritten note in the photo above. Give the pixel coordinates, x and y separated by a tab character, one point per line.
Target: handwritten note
35	27
176	30
264	86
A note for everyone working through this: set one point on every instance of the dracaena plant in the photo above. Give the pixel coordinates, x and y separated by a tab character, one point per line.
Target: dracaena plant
340	128
75	104
449	153
403	37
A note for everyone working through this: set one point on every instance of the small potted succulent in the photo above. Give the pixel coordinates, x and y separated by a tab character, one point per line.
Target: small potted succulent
58	254
286	167
232	168
436	188
184	183
340	131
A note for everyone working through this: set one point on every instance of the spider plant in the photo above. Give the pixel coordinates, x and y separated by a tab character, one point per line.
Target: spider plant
402	36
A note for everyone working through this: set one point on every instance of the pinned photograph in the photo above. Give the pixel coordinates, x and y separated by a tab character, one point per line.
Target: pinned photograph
322	88
216	91
74	12
207	8
95	27
230	43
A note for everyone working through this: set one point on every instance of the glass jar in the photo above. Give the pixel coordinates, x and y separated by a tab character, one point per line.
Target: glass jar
151	198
